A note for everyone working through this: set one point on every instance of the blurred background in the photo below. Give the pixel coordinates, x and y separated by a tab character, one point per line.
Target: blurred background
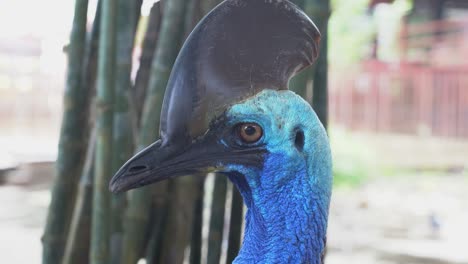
398	123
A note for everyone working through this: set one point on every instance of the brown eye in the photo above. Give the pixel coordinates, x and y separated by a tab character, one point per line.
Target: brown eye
249	132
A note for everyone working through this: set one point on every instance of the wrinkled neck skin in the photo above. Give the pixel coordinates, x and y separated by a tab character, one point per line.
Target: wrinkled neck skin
288	198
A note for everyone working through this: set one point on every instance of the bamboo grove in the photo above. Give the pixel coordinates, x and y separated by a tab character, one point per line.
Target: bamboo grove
110	112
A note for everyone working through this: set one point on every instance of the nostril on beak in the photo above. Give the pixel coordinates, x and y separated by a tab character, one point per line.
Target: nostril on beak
137	168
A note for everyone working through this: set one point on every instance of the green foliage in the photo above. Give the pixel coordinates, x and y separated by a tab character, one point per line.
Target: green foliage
350	31
353	163
388	22
349	174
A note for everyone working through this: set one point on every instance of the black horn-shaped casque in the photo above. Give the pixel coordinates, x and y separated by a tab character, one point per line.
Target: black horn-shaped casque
236	51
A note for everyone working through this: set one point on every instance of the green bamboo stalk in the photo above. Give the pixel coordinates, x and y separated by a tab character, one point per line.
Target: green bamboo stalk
177	232
197	224
199	9
148	49
158	220
319	10
77	247
177	225
100	235
302	82
193	15
235	226
123	145
208	5
215	235
137	216
299	3
72	145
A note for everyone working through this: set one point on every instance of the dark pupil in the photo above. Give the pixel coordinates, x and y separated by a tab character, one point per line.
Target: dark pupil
250	130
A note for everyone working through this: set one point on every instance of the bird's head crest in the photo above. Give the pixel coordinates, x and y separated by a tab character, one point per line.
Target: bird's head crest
239	49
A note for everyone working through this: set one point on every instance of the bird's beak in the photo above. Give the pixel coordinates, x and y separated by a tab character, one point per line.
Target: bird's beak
158	162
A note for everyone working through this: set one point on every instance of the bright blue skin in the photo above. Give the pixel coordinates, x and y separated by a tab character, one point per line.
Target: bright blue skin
288	199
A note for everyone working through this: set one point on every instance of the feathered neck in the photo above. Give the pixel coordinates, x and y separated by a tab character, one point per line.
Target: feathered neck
285	225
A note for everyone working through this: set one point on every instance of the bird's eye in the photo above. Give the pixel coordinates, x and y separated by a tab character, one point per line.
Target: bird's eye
249	132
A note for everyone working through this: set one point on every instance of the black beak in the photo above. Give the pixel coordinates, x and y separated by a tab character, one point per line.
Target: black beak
160	162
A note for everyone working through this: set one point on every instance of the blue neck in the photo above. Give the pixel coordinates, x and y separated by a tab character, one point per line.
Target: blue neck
286	224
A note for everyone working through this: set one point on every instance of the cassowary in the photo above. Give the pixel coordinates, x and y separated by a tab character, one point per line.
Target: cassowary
227	109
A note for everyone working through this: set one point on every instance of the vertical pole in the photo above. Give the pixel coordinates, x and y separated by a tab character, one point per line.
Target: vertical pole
127	18
136	223
72	145
235	226
100	230
319	11
215	235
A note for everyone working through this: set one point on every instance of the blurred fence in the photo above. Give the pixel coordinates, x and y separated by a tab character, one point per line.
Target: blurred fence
402	98
442	42
425	93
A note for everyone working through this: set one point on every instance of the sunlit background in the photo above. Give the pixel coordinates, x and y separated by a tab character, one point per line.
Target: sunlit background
398	127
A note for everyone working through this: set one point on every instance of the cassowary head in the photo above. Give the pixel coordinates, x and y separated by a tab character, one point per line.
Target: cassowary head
227	109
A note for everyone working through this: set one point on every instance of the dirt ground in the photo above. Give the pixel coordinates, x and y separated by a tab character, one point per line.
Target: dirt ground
405	219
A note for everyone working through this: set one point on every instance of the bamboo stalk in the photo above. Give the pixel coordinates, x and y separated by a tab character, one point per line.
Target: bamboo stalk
77	247
319	10
215	235
137	217
100	235
197	224
208	5
148	49
123	145
235	226
171	243
193	15
177	232
299	3
302	82
72	145
158	220
200	8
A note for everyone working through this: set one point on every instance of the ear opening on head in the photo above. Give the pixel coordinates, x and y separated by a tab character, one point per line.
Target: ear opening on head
299	139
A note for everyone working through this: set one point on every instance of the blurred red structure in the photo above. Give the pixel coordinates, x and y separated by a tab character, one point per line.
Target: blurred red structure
442	42
425	93
402	98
